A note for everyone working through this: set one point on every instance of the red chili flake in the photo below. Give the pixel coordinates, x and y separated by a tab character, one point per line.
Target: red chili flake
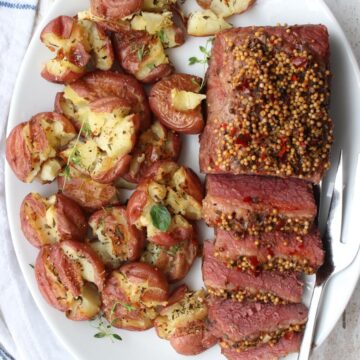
280	224
270	252
253	261
223	125
243	140
293	78
244	87
247	199
263	156
300	246
289	335
299	61
283	149
233	131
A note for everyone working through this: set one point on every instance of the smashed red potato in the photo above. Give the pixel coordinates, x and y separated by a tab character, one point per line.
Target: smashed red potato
226	8
158	5
113	238
81	98
78	43
70	275
88	193
160	24
174	261
176	102
183	322
167	197
50	220
32	147
155	144
142	55
115	9
132	295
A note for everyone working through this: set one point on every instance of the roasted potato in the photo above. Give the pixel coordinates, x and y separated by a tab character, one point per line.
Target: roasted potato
77	42
142	55
168	196
161	25
225	8
176	102
75	102
132	295
156	143
106	155
113	238
158	5
115	9
46	221
70	275
32	147
174	261
205	23
88	193
183	322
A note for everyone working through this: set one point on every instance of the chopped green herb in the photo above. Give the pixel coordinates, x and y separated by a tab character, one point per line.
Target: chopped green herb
100	335
160	217
118	232
161	35
141	52
32	266
129	307
151	66
86	130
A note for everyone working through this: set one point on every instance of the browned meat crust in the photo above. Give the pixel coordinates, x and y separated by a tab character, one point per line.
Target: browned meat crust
268	98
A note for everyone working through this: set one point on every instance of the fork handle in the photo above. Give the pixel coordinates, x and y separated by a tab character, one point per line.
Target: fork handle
308	337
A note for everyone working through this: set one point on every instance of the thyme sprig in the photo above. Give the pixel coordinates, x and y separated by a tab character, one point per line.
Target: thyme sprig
75	156
105	329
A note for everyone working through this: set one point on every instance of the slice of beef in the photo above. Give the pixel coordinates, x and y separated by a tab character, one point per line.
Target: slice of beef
254	204
271	251
236	322
266	286
285	346
268	94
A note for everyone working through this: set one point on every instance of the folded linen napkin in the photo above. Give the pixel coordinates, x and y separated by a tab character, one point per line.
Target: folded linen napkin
24	334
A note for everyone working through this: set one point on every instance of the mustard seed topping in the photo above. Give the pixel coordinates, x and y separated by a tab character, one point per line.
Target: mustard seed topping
280	123
271	338
241	295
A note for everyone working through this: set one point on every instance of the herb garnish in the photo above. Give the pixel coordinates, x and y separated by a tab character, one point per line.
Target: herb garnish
141	52
104	330
160	217
206	51
32	266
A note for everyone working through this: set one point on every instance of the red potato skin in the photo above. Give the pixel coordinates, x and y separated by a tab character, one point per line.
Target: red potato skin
138	273
144	273
61	26
134	238
186	343
16	143
115	9
127	54
135	205
70	220
90	255
67	77
102	84
174	237
67	272
188	122
89	194
154	154
205	4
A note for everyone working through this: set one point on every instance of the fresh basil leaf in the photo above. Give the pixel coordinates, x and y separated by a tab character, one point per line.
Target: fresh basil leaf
160	217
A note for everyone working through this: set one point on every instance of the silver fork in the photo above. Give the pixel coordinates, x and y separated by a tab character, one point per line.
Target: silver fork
338	257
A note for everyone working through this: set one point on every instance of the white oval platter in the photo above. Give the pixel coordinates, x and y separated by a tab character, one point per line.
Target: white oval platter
33	94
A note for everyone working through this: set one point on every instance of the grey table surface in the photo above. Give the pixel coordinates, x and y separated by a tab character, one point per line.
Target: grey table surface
344	341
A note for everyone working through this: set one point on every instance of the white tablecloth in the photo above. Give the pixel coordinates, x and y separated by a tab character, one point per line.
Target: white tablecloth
23	332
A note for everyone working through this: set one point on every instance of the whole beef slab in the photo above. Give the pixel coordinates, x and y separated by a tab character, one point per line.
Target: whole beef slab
254	204
268	98
266	286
